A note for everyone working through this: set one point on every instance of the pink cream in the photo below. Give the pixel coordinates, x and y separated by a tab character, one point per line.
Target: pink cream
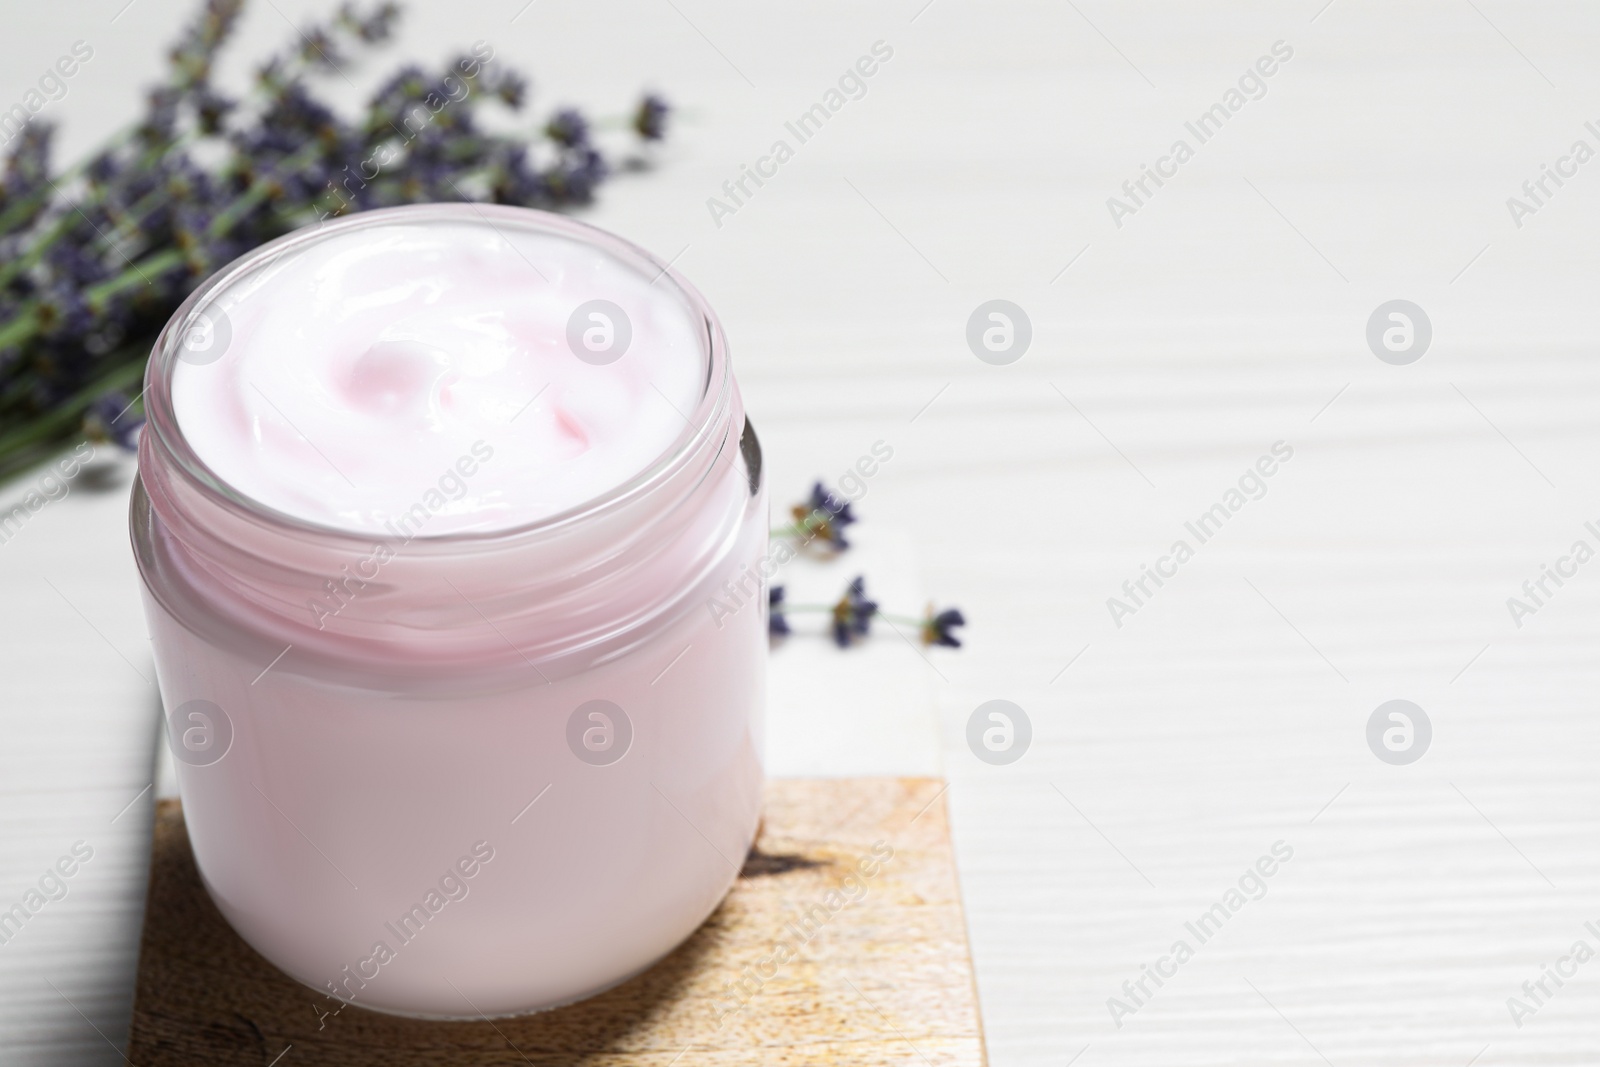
429	571
361	369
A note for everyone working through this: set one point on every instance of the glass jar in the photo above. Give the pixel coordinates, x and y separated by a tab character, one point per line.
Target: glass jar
496	772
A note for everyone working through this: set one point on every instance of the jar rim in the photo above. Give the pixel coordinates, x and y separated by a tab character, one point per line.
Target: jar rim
163	432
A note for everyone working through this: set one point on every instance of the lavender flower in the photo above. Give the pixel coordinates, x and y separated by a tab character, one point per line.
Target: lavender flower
568	128
936	628
575	178
195	51
319	50
211	110
650	118
510	87
852	615
110	418
25	184
824	515
777	625
374	27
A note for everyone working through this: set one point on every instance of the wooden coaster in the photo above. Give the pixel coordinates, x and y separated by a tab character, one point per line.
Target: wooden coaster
884	979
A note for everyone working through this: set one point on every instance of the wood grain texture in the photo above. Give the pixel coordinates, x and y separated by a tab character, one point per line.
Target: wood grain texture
883	978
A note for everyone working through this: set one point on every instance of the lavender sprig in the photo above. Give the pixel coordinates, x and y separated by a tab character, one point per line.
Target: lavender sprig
852	614
821	520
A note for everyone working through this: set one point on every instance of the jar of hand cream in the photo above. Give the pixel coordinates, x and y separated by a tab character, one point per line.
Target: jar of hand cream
451	526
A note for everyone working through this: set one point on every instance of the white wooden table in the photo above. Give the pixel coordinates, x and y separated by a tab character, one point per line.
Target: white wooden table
1226	314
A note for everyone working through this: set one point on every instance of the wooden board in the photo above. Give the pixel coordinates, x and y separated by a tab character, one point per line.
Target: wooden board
886	979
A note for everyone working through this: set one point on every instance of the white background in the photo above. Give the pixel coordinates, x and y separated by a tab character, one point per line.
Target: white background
1227	314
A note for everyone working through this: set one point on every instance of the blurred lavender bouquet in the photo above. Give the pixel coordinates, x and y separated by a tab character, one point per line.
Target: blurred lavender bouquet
95	257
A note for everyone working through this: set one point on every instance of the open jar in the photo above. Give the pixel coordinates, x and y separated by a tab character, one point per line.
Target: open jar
434	765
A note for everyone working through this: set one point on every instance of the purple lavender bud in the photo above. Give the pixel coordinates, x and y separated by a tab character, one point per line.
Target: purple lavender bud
111	418
568	128
777	625
650	118
852	615
936	628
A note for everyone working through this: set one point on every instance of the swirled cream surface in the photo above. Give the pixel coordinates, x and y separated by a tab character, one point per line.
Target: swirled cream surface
422	379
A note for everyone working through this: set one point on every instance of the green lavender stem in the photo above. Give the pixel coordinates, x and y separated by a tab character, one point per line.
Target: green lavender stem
806	529
904	620
40	437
